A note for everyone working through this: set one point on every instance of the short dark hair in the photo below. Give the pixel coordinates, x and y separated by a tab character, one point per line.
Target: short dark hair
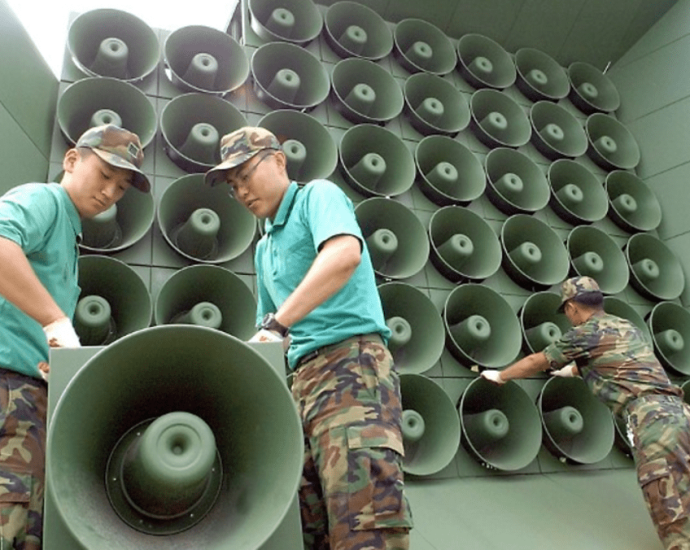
594	300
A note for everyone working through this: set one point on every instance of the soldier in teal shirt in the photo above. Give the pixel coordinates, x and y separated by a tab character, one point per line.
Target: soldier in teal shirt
317	294
39	229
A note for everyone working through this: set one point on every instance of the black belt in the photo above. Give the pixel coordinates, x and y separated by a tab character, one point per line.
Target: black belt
307	357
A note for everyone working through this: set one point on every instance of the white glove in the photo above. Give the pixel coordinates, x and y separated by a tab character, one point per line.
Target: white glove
493	376
569	371
266	336
61	334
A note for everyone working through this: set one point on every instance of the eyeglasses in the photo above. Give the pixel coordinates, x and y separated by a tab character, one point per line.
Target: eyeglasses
242	181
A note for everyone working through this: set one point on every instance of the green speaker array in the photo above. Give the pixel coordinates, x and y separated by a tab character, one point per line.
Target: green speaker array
578	428
500	425
556	133
114	301
541	322
354	30
497	120
309	147
611	145
655	271
576	194
591	91
516	185
669	324
539	76
449	173
483	62
618	307
202	223
418	335
633	206
294	21
203	59
423	47
113	43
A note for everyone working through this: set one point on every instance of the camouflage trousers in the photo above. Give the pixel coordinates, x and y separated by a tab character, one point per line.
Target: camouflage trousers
660	426
352	489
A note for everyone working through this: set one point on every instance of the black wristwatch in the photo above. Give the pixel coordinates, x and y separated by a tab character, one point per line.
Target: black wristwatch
270	322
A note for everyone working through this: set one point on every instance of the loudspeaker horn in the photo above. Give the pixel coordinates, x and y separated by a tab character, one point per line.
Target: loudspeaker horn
655	271
450	174
497	120
287	76
354	30
364	92
556	133
533	254
500	425
204	59
539	76
418	336
669	324
591	91
541	322
294	21
619	308
577	195
396	238
114	301
578	428
96	101
611	145
113	43
434	106
202	223
423	47
484	63
516	185
633	205
430	426
481	327
464	247
208	296
593	253
375	161
310	149
192	126
161	469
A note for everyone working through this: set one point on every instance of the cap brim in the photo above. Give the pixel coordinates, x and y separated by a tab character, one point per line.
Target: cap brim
140	181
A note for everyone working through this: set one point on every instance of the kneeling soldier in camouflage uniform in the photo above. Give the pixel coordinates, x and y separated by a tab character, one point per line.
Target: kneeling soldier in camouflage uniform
619	366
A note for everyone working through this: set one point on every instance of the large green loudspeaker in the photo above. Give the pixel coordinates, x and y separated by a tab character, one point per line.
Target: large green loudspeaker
539	76
576	194
207	296
578	428
497	120
619	308
611	145
430	425
500	424
114	43
669	324
375	161
294	21
556	133
364	92
202	223
96	101
481	327
593	253
310	149
114	301
484	63
464	247
395	236
192	126
533	254
354	30
541	322
204	59
423	47
210	458
434	106
450	174
633	206
591	91
655	271
418	337
516	185
287	76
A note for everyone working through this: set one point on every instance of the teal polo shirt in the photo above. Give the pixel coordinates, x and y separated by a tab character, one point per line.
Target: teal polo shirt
43	221
307	217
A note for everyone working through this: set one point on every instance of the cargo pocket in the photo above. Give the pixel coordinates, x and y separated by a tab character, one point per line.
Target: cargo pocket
660	492
15	496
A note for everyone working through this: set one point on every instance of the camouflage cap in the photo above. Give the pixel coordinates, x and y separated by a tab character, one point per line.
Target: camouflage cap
238	147
118	147
577	286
